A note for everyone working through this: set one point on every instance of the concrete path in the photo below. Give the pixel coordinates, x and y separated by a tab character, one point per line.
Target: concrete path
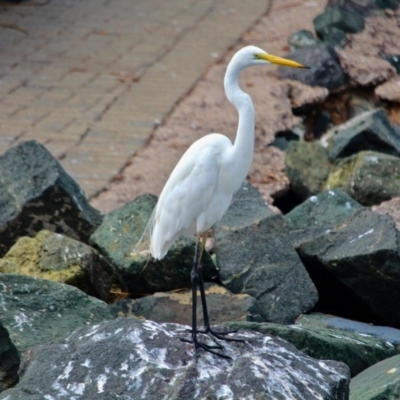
91	79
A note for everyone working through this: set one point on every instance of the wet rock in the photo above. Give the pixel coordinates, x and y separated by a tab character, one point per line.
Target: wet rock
307	167
390	207
58	258
369	177
325	69
176	307
117	239
302	96
370	130
134	359
389	90
364	70
9	360
380	381
255	256
356	268
301	38
37	311
38	194
358	351
338	17
319	214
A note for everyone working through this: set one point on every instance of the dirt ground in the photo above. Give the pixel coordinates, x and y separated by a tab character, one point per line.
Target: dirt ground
205	109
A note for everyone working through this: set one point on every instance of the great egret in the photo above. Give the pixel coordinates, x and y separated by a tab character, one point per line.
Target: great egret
201	186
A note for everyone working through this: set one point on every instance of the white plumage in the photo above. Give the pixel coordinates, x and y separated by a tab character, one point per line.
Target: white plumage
201	186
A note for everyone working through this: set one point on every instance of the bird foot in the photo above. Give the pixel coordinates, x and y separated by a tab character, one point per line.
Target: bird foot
213	336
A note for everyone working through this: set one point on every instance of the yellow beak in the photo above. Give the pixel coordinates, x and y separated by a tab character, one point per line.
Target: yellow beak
281	61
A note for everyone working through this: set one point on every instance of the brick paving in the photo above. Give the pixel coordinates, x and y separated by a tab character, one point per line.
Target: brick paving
91	79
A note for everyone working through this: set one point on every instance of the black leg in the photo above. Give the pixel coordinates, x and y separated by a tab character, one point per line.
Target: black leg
197	281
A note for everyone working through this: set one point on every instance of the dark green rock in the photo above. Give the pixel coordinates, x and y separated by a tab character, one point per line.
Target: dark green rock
338	17
59	258
117	238
38	194
9	360
355	350
390	4
37	311
320	213
356	268
333	37
255	256
369	177
301	38
307	167
370	130
379	382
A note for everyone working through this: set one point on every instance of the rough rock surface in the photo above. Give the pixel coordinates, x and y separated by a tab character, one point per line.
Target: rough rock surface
118	238
389	90
365	70
358	351
390	207
368	176
37	311
301	95
255	256
38	194
9	360
380	381
356	268
176	307
129	360
59	258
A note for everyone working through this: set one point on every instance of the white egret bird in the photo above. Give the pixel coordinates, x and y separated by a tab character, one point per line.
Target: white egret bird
200	188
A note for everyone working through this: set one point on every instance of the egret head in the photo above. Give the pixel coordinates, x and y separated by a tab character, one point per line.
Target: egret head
252	55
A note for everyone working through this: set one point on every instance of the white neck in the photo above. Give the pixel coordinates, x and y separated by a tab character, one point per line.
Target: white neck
243	147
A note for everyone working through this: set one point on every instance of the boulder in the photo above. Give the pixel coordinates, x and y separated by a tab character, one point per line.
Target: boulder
325	69
307	167
370	130
37	311
38	194
255	256
59	258
133	359
358	351
176	307
356	268
369	177
123	239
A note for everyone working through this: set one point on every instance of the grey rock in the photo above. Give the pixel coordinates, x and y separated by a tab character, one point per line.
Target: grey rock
379	382
255	256
307	167
333	37
38	194
130	359
117	239
357	264
9	360
386	333
319	214
37	311
176	307
325	69
358	351
370	130
59	258
369	177
389	4
338	17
